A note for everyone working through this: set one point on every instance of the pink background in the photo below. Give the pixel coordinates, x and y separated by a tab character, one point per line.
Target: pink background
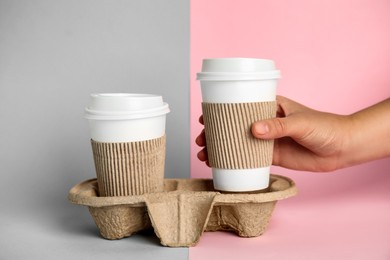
334	56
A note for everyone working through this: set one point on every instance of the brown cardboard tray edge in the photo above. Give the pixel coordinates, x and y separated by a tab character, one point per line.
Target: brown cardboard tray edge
185	209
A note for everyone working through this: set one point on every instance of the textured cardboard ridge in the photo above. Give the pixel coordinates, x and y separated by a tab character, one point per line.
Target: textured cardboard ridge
230	144
129	168
185	209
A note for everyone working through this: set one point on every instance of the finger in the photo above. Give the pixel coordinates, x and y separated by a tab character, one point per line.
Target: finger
287	106
279	109
202	155
201	139
208	163
292	124
201	120
276	128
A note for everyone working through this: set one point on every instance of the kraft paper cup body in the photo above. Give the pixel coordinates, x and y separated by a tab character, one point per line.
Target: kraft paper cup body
238	91
128	142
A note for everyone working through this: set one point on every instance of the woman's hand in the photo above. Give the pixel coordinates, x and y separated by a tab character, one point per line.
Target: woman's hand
311	140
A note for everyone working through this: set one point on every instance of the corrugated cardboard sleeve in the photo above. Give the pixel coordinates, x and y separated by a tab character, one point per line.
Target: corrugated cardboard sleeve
230	144
130	168
184	210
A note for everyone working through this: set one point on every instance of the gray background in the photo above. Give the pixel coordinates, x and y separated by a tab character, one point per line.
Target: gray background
53	54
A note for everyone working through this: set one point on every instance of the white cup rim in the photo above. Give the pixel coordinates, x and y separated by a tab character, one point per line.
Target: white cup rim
236	76
234	69
126	115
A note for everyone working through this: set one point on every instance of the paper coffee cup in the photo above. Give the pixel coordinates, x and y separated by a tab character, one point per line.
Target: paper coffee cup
128	142
237	92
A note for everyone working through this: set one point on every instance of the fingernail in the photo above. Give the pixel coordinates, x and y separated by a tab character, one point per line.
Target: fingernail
261	128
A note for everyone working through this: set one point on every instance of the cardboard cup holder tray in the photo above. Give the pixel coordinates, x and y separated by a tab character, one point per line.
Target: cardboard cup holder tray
185	209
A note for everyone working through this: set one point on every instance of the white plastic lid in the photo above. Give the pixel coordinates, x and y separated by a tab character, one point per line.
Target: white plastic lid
223	69
122	106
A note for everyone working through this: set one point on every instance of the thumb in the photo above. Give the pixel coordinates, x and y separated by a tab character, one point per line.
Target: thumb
272	128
